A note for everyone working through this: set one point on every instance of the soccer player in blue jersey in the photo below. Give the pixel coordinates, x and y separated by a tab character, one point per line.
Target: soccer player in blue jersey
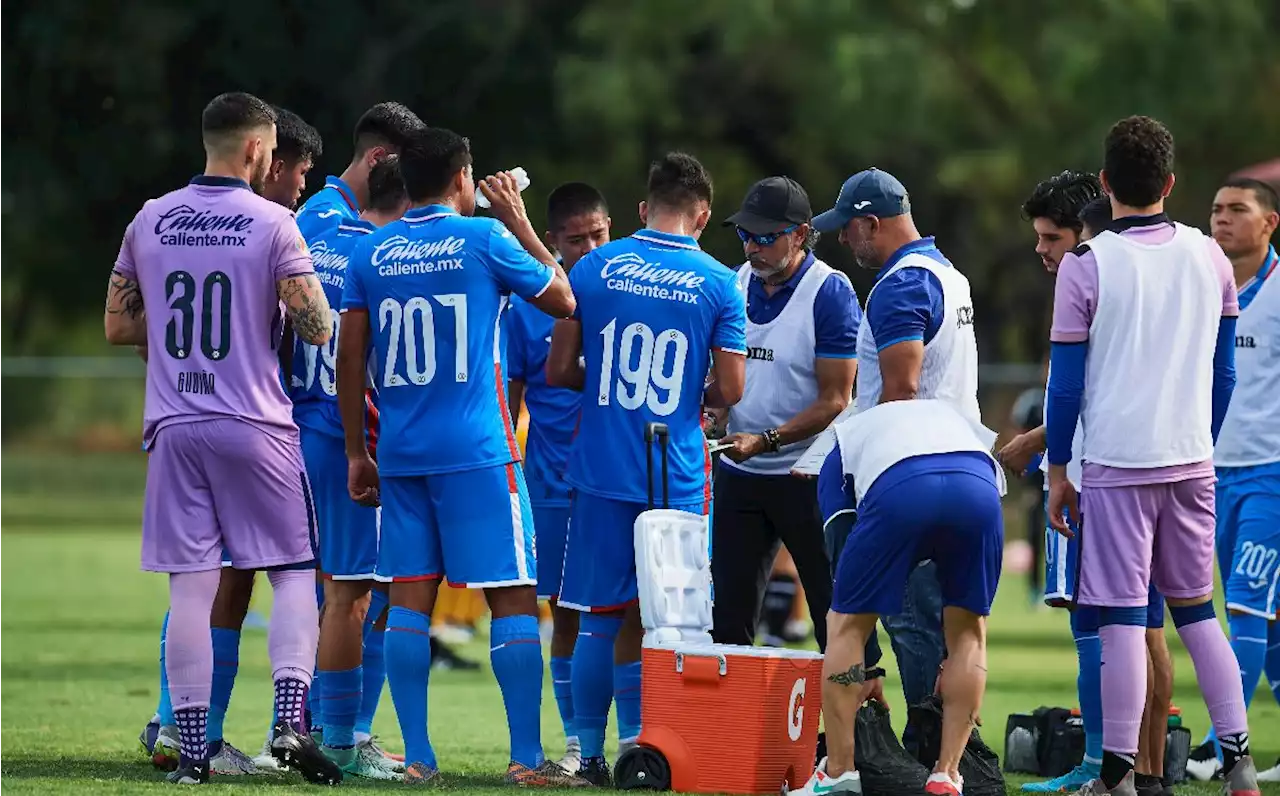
351	622
655	314
298	146
381	131
577	222
429	290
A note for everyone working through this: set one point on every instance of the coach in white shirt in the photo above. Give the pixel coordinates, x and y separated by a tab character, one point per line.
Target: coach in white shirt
802	322
916	341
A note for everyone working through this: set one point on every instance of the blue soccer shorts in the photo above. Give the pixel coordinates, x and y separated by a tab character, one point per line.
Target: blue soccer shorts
551	524
600	553
474	528
944	507
1155	608
1061	561
348	532
1248	537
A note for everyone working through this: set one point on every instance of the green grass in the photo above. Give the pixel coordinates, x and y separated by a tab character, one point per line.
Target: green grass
81	625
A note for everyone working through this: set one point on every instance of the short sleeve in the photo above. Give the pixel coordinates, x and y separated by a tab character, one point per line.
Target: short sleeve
906	305
517	345
289	253
836	317
514	268
354	296
1075	297
730	331
1230	299
124	260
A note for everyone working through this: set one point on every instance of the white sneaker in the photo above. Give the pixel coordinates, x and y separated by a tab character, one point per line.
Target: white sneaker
939	784
572	760
822	785
1271	774
266	761
231	762
1203	770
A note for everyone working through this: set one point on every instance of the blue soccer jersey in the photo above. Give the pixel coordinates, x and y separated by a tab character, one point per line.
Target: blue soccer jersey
435	285
553	411
314	386
652	307
328	207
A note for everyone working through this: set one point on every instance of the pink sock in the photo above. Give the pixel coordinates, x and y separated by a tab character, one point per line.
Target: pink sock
295	625
188	646
1218	674
1124	686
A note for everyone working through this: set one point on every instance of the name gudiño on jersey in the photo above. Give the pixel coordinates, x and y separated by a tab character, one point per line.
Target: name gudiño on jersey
399	256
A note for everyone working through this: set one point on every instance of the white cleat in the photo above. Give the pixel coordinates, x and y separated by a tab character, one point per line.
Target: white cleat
1203	770
265	762
1271	774
822	785
231	762
572	760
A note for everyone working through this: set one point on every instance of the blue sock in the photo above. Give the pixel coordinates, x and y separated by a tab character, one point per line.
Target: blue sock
1249	641
341	704
1272	665
1084	627
626	697
515	653
593	680
408	654
226	663
562	687
165	709
315	702
375	674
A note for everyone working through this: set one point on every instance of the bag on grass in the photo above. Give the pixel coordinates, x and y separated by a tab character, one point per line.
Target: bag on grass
884	766
979	766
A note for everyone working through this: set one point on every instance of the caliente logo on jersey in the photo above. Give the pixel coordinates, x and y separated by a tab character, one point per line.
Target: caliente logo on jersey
630	273
399	256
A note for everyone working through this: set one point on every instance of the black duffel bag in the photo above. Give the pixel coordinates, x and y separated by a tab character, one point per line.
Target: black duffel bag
979	765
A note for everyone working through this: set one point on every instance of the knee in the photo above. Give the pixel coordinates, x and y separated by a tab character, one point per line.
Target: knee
1188	602
512	601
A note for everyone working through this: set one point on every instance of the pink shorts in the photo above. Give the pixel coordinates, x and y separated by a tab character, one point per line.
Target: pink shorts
1132	536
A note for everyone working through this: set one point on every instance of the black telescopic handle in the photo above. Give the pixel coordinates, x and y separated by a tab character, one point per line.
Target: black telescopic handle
660	432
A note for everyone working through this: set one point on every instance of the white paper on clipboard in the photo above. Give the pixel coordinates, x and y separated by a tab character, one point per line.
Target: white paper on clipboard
810	462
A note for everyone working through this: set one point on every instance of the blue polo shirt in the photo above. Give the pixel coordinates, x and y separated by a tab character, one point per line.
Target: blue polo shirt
907	304
836	312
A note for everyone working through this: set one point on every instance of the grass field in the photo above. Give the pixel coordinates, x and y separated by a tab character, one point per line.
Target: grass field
79	669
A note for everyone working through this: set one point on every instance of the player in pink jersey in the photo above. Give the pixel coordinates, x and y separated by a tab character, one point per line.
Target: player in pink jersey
1143	344
226	467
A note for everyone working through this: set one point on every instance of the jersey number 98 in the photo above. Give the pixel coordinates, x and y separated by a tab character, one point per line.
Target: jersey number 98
415	319
660	367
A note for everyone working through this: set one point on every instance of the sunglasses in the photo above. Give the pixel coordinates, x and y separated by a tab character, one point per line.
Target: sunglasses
767	239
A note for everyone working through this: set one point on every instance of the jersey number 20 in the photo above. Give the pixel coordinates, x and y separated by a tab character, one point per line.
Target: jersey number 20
416	318
660	367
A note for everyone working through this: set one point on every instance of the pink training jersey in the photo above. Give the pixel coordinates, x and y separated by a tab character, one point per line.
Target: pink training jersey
207	258
1076	300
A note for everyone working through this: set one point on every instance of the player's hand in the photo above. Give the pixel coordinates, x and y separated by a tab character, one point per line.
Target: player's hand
1062	494
1017	455
873	689
362	480
744	446
504	198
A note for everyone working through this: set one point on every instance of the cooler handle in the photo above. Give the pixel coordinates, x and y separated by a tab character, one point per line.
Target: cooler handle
720	659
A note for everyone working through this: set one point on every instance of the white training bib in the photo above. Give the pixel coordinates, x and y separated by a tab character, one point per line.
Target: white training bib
1250	433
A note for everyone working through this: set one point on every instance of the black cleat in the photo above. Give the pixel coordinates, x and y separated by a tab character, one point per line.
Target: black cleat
190	773
300	753
596	771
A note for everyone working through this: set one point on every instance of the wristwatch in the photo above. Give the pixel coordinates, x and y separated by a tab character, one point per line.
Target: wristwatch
771	439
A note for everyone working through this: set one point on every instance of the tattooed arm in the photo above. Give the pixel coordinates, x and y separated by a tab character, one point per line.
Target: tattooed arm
125	319
307	306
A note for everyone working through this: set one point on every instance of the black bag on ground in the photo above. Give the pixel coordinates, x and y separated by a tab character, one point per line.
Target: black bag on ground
1060	745
884	766
979	766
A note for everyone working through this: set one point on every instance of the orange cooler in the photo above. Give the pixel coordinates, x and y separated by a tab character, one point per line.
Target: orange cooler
731	719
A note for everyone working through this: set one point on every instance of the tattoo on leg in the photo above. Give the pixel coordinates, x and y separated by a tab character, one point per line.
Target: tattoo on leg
854	675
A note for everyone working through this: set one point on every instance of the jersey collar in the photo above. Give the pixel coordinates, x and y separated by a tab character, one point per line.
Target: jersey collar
666	239
348	195
914	247
428	212
218	182
1132	222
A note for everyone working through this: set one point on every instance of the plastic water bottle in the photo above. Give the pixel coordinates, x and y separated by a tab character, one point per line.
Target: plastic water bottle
522	182
1020	750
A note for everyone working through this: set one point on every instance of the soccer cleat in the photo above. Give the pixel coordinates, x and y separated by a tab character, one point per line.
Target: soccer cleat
595	771
1076	778
395	761
366	760
230	761
1097	788
164	749
297	751
190	774
264	761
939	784
1203	763
1271	774
421	774
547	775
1242	779
572	760
1151	787
820	783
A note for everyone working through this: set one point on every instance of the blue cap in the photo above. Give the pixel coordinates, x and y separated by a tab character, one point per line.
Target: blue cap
868	193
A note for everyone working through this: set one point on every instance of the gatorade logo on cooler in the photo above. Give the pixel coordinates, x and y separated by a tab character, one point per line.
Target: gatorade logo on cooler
795	710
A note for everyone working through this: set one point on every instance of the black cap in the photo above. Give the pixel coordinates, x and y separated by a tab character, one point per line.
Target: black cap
772	205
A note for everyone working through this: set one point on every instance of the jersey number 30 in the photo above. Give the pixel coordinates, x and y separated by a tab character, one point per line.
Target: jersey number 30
660	367
415	318
214	296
